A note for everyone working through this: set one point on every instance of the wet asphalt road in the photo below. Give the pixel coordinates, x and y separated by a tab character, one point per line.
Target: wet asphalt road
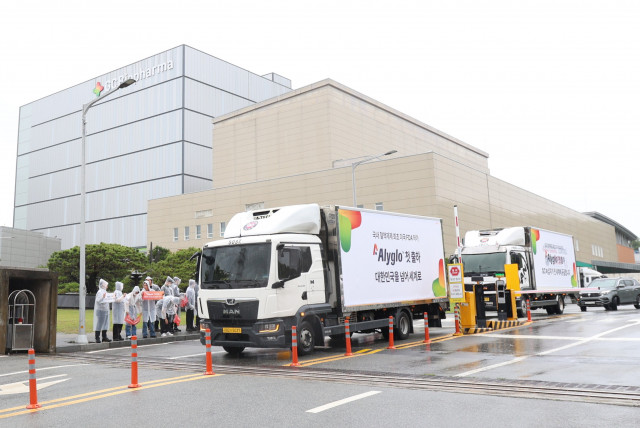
592	348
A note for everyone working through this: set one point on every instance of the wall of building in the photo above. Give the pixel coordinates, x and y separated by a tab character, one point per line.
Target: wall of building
427	184
318	127
149	140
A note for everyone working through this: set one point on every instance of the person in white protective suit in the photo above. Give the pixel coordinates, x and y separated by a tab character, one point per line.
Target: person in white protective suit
168	285
148	310
169	304
176	293
191	305
159	322
118	311
101	313
133	308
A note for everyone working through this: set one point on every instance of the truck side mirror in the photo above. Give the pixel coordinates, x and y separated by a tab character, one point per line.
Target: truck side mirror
278	284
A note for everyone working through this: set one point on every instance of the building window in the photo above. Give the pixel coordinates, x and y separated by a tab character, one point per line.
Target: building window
597	250
223	226
577	245
379	206
186	233
175	234
204	213
198	232
210	230
254	206
359	206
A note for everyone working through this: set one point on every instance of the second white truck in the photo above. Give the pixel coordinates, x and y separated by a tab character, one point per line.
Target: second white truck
546	265
312	267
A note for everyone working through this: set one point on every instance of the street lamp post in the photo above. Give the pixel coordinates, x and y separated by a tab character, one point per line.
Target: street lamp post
82	336
360	162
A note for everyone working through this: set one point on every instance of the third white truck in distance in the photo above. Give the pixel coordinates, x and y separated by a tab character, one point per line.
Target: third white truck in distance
546	265
311	267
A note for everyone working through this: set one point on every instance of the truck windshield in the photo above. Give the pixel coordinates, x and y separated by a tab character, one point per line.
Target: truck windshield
488	263
236	266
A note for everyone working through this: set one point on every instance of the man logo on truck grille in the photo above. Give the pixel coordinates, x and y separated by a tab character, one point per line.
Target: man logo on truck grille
231	302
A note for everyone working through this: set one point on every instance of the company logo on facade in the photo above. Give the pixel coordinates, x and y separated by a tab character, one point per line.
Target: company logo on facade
139	74
98	89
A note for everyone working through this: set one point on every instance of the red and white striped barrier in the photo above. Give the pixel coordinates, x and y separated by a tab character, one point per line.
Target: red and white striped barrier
207	338
426	329
391	346
456	311
33	391
294	347
134	363
347	337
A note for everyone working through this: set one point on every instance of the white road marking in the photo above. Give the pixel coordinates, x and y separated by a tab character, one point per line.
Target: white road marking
343	401
527	336
22	387
550	351
43	368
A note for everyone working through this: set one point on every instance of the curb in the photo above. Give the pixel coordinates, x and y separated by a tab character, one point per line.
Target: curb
74	347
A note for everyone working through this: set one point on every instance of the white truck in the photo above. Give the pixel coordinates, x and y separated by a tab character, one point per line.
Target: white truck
546	265
311	267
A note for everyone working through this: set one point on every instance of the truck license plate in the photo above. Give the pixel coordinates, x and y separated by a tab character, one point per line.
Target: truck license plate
231	330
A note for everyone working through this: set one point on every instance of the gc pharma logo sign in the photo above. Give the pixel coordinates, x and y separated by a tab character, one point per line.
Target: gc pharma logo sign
98	89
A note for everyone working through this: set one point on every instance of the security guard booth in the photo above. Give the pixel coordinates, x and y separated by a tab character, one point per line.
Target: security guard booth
43	285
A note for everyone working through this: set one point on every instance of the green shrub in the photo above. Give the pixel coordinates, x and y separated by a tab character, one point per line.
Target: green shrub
68	287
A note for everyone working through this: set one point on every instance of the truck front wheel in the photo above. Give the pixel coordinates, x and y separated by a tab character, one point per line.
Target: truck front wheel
306	338
403	326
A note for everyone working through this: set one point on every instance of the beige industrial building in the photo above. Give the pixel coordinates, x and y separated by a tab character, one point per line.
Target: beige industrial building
303	146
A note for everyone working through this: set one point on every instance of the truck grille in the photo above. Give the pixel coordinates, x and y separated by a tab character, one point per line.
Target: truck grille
232	312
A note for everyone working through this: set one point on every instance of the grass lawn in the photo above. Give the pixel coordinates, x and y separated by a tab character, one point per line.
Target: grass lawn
68	320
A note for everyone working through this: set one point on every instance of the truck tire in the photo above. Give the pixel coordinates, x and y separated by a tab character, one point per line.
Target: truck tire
551	310
403	326
522	308
560	307
583	308
233	350
306	338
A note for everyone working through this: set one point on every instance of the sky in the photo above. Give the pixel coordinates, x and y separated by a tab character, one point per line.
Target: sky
549	89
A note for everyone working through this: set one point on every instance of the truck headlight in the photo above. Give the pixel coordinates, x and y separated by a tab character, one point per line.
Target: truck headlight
269	328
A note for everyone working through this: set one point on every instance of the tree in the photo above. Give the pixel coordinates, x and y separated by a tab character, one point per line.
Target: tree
635	244
175	264
158	254
112	262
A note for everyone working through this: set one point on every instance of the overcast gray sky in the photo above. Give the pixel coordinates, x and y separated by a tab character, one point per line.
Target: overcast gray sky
550	89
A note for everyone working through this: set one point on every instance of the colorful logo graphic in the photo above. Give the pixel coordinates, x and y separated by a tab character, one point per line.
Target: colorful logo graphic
98	89
438	285
250	225
348	220
574	281
535	237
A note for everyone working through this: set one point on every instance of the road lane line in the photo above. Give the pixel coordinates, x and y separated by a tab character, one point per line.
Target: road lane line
343	401
115	391
41	369
121	348
550	351
603	339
